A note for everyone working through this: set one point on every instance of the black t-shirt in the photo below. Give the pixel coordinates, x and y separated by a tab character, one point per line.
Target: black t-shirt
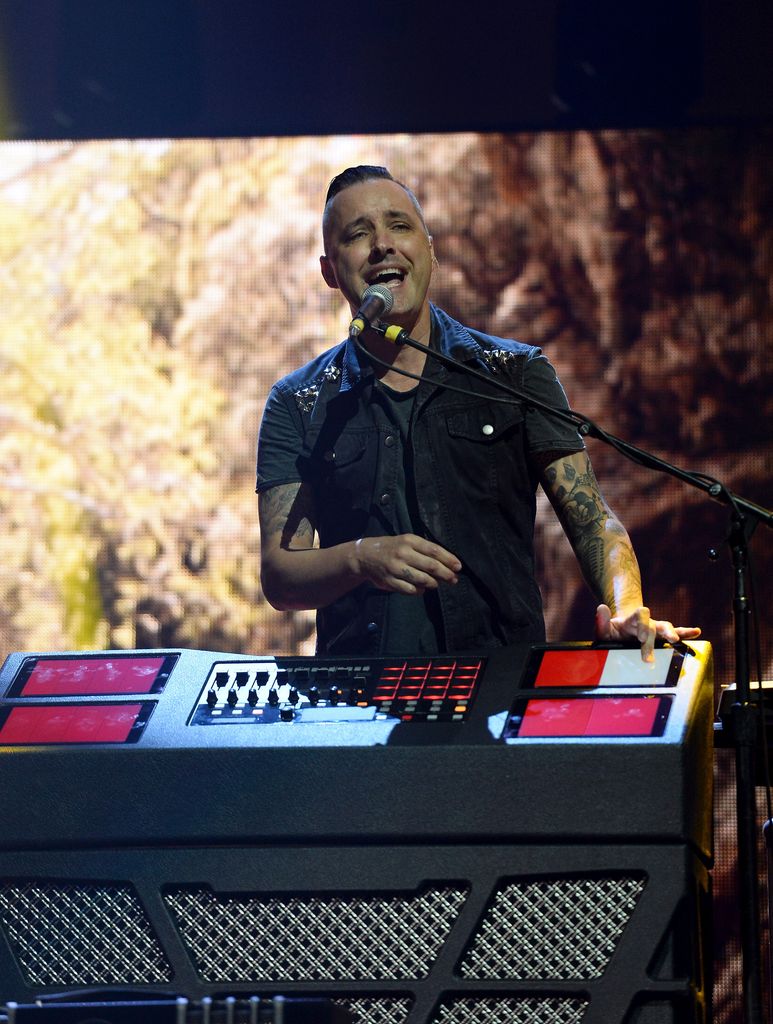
414	624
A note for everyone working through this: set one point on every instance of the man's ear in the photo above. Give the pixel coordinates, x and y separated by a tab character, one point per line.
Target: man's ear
432	251
328	273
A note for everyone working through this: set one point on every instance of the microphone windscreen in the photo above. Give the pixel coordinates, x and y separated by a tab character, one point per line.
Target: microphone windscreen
382	292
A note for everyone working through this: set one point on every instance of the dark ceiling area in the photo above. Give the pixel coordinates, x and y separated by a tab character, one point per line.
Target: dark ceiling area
191	68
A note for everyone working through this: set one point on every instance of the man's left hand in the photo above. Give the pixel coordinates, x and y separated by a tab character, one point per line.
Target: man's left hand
639	625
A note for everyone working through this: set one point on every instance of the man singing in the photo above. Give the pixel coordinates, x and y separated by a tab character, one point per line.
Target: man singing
398	495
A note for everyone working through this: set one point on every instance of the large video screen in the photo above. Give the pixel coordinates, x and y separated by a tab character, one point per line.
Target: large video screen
152	291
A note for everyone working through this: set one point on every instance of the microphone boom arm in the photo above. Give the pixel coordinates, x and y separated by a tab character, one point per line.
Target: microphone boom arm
587	428
746	728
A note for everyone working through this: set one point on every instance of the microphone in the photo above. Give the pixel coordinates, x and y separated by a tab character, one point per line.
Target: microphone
375	301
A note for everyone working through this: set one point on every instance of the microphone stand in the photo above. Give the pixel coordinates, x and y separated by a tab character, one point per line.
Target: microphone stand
744	517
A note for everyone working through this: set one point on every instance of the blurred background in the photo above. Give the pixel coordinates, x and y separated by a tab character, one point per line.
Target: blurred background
597	181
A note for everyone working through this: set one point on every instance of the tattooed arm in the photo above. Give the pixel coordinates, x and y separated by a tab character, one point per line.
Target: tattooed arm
606	556
600	541
295	574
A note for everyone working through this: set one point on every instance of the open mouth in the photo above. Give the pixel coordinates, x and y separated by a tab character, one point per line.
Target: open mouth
388	276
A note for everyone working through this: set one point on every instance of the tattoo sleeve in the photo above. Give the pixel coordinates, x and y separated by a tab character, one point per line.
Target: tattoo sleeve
287	515
601	543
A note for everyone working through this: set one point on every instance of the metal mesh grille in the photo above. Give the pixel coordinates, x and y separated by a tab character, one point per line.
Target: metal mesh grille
564	928
314	938
512	1010
376	1009
81	935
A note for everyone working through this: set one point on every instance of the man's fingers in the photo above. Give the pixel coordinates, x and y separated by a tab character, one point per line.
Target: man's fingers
646	635
641	627
668	631
433	567
412	581
406	563
435	553
603	622
423	574
423	557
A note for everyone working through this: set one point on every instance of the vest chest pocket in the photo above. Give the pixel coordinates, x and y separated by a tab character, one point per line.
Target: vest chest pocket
484	424
326	456
347	450
484	450
345	469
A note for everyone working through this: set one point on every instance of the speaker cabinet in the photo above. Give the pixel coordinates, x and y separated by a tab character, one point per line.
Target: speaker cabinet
397	934
410	867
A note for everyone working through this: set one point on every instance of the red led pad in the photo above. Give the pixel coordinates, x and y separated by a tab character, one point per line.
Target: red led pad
580	668
586	668
623	716
66	677
614	716
442	686
427	681
69	723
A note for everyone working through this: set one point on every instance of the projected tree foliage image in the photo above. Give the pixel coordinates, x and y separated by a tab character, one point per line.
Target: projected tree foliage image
153	291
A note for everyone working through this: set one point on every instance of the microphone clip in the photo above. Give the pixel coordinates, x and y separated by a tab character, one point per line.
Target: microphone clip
397	335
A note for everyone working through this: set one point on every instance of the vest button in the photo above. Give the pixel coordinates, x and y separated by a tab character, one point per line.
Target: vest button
372	627
389	440
487	429
385	499
329	456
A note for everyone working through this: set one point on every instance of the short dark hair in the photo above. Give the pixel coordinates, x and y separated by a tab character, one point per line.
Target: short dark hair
357	175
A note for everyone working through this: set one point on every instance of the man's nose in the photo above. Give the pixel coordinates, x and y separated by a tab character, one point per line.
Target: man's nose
382	243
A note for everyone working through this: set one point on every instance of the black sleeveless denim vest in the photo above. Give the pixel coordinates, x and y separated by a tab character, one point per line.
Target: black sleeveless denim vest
475	486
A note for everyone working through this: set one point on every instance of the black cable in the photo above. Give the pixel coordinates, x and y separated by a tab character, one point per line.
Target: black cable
585	426
420	377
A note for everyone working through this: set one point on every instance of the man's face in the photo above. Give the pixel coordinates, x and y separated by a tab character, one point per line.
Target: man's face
374	235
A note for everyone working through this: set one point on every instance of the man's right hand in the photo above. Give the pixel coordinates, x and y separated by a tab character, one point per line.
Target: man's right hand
297	575
407	564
